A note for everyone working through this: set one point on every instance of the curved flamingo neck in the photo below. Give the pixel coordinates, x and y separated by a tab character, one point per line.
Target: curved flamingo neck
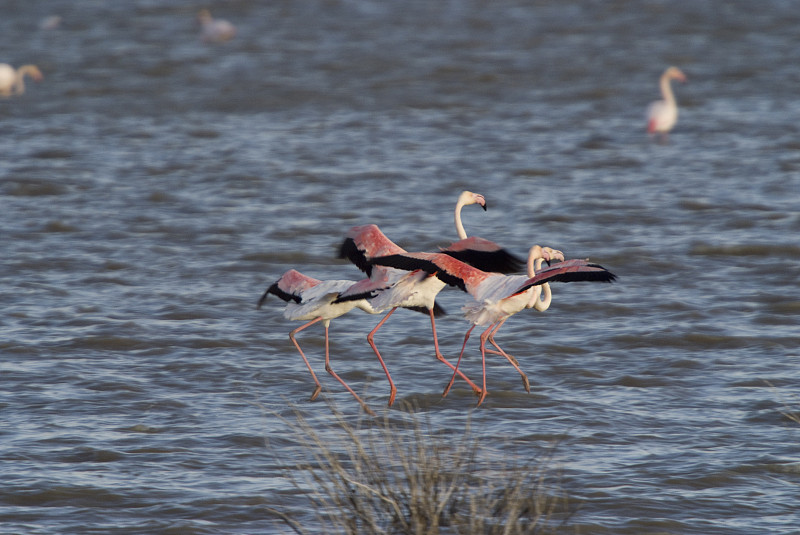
542	296
666	89
462	234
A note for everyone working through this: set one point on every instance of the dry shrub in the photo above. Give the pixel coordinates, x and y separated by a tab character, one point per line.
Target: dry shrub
396	475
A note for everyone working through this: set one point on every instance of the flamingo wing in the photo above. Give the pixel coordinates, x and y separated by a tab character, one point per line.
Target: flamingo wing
485	255
363	289
365	242
423	262
569	271
290	287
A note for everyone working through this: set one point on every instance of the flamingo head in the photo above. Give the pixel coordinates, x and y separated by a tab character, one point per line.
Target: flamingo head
674	73
537	253
467	197
35	73
552	254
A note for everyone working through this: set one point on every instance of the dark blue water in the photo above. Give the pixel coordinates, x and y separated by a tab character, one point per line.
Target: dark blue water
152	186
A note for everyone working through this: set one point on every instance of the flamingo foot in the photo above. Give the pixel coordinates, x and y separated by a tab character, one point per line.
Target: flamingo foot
316	392
483	396
510	358
526	384
475	390
392	395
447	388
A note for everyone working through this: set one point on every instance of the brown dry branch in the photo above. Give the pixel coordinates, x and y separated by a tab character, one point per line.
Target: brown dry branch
397	475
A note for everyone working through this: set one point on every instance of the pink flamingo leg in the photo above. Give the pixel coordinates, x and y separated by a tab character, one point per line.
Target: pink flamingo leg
330	371
484	335
511	359
453	378
291	337
441	358
370	337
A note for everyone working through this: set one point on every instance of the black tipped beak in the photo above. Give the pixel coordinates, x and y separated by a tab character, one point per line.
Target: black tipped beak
483	206
548	262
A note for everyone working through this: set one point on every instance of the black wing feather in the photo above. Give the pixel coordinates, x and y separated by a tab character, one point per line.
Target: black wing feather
275	290
350	251
412	264
500	261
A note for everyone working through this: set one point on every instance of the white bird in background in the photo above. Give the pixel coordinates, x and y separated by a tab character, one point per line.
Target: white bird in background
313	301
215	30
496	297
50	23
663	114
12	81
418	290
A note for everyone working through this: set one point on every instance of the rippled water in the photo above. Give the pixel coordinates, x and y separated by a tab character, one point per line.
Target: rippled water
153	186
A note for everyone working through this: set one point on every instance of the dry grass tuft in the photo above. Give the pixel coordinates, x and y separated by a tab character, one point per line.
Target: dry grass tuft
397	475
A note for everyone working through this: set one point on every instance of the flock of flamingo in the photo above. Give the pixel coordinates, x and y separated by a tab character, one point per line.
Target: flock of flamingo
396	278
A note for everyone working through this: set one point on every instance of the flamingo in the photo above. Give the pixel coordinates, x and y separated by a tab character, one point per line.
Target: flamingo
12	81
663	114
541	297
418	290
496	297
215	30
313	301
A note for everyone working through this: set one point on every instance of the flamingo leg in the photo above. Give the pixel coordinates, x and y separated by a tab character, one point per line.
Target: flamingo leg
291	337
439	356
525	382
330	371
453	378
484	336
370	337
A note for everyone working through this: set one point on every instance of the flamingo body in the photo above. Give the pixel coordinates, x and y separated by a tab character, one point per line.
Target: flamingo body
663	114
215	30
309	298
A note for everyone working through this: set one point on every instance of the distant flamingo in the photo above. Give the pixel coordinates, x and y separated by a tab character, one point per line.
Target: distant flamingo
663	114
314	300
495	297
12	81
215	30
418	290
